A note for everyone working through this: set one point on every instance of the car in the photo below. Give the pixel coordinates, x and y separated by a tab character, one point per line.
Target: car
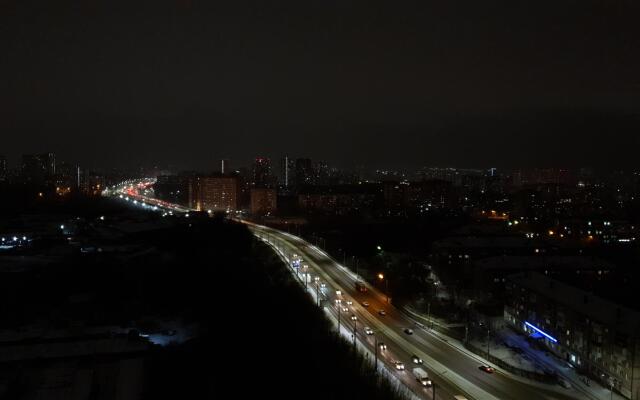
345	309
323	285
382	312
349	302
382	346
486	368
368	330
365	304
399	365
408	331
416	359
353	318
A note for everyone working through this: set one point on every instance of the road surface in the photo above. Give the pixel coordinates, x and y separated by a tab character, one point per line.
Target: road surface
454	371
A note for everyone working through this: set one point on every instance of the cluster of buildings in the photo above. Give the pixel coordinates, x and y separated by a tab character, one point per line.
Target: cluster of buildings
44	173
302	186
553	199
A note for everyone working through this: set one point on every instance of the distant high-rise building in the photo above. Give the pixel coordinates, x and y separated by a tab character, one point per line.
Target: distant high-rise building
304	172
38	168
67	175
262	173
263	201
214	192
286	171
224	166
322	174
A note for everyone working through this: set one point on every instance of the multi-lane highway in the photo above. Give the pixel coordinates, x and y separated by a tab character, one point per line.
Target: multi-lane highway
454	370
138	192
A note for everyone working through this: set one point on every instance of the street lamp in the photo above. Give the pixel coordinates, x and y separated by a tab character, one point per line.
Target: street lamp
488	344
305	274
317	281
376	344
386	285
354	261
611	383
339	307
355	323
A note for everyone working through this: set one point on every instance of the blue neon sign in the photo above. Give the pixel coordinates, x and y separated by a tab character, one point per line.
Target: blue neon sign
540	331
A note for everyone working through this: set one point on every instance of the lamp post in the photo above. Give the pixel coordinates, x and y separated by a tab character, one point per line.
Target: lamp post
338	305
354	262
488	344
376	343
355	323
611	383
386	285
317	280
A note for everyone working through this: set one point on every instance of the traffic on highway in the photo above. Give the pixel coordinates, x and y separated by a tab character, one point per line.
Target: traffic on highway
426	362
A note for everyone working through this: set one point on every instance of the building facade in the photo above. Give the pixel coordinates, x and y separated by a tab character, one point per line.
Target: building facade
39	169
596	336
262	174
263	201
213	192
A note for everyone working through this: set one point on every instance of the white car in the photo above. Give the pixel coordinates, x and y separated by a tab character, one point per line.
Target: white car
368	330
349	302
399	365
353	318
345	309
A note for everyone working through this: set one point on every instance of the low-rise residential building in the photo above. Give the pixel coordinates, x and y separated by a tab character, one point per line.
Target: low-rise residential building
595	335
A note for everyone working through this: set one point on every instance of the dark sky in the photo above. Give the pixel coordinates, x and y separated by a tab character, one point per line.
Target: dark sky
474	83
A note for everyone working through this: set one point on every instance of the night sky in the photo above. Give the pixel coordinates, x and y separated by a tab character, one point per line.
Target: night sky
452	83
